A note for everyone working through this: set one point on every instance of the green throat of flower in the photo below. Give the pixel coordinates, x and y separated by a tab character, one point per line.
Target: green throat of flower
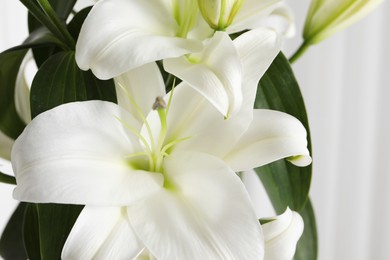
152	158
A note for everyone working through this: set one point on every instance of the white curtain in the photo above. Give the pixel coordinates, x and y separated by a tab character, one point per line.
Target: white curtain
345	82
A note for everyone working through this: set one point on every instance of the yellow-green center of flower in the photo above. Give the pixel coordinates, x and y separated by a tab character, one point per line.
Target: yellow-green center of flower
156	148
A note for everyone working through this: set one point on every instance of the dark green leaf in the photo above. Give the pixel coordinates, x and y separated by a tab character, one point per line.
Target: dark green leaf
47	228
4	178
75	24
62	8
286	184
44	53
60	81
11	242
10	122
38	39
265	220
31	236
307	245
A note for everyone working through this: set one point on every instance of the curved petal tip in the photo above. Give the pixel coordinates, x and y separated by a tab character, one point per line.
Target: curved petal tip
300	160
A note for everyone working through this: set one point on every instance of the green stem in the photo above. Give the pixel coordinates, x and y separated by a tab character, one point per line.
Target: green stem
170	82
45	5
7	178
40	16
301	50
45	20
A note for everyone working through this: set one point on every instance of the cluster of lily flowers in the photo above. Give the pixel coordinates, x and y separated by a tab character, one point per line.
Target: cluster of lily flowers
157	172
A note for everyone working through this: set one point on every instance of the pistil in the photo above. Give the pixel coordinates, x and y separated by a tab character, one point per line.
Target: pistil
158	153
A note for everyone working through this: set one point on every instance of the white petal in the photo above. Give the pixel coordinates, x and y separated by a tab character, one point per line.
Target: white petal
215	73
76	153
281	235
23	83
257	49
102	233
272	136
137	90
119	35
204	213
145	255
192	116
250	13
282	20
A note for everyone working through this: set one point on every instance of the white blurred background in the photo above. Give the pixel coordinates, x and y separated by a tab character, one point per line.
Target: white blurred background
345	82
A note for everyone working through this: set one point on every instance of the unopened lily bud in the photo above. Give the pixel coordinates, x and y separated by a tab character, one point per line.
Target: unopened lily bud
219	14
325	18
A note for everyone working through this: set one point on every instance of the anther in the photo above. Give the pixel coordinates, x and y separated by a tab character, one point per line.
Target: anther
159	103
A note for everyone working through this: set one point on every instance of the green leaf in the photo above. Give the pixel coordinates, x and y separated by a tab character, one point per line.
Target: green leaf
31	232
11	241
75	24
307	246
38	39
60	81
5	178
286	184
10	122
47	227
63	9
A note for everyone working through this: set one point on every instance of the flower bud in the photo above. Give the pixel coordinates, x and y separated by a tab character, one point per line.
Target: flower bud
219	14
325	18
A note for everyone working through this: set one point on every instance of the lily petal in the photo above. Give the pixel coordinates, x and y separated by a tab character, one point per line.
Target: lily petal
137	90
23	83
203	213
119	35
257	49
145	255
215	73
102	233
77	154
250	13
192	117
282	20
271	136
281	235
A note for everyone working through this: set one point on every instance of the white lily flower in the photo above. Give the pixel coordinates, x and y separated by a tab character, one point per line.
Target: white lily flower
120	35
281	235
216	71
325	18
159	179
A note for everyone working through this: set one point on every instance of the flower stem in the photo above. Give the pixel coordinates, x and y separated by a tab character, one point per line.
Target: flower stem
301	50
7	179
46	7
